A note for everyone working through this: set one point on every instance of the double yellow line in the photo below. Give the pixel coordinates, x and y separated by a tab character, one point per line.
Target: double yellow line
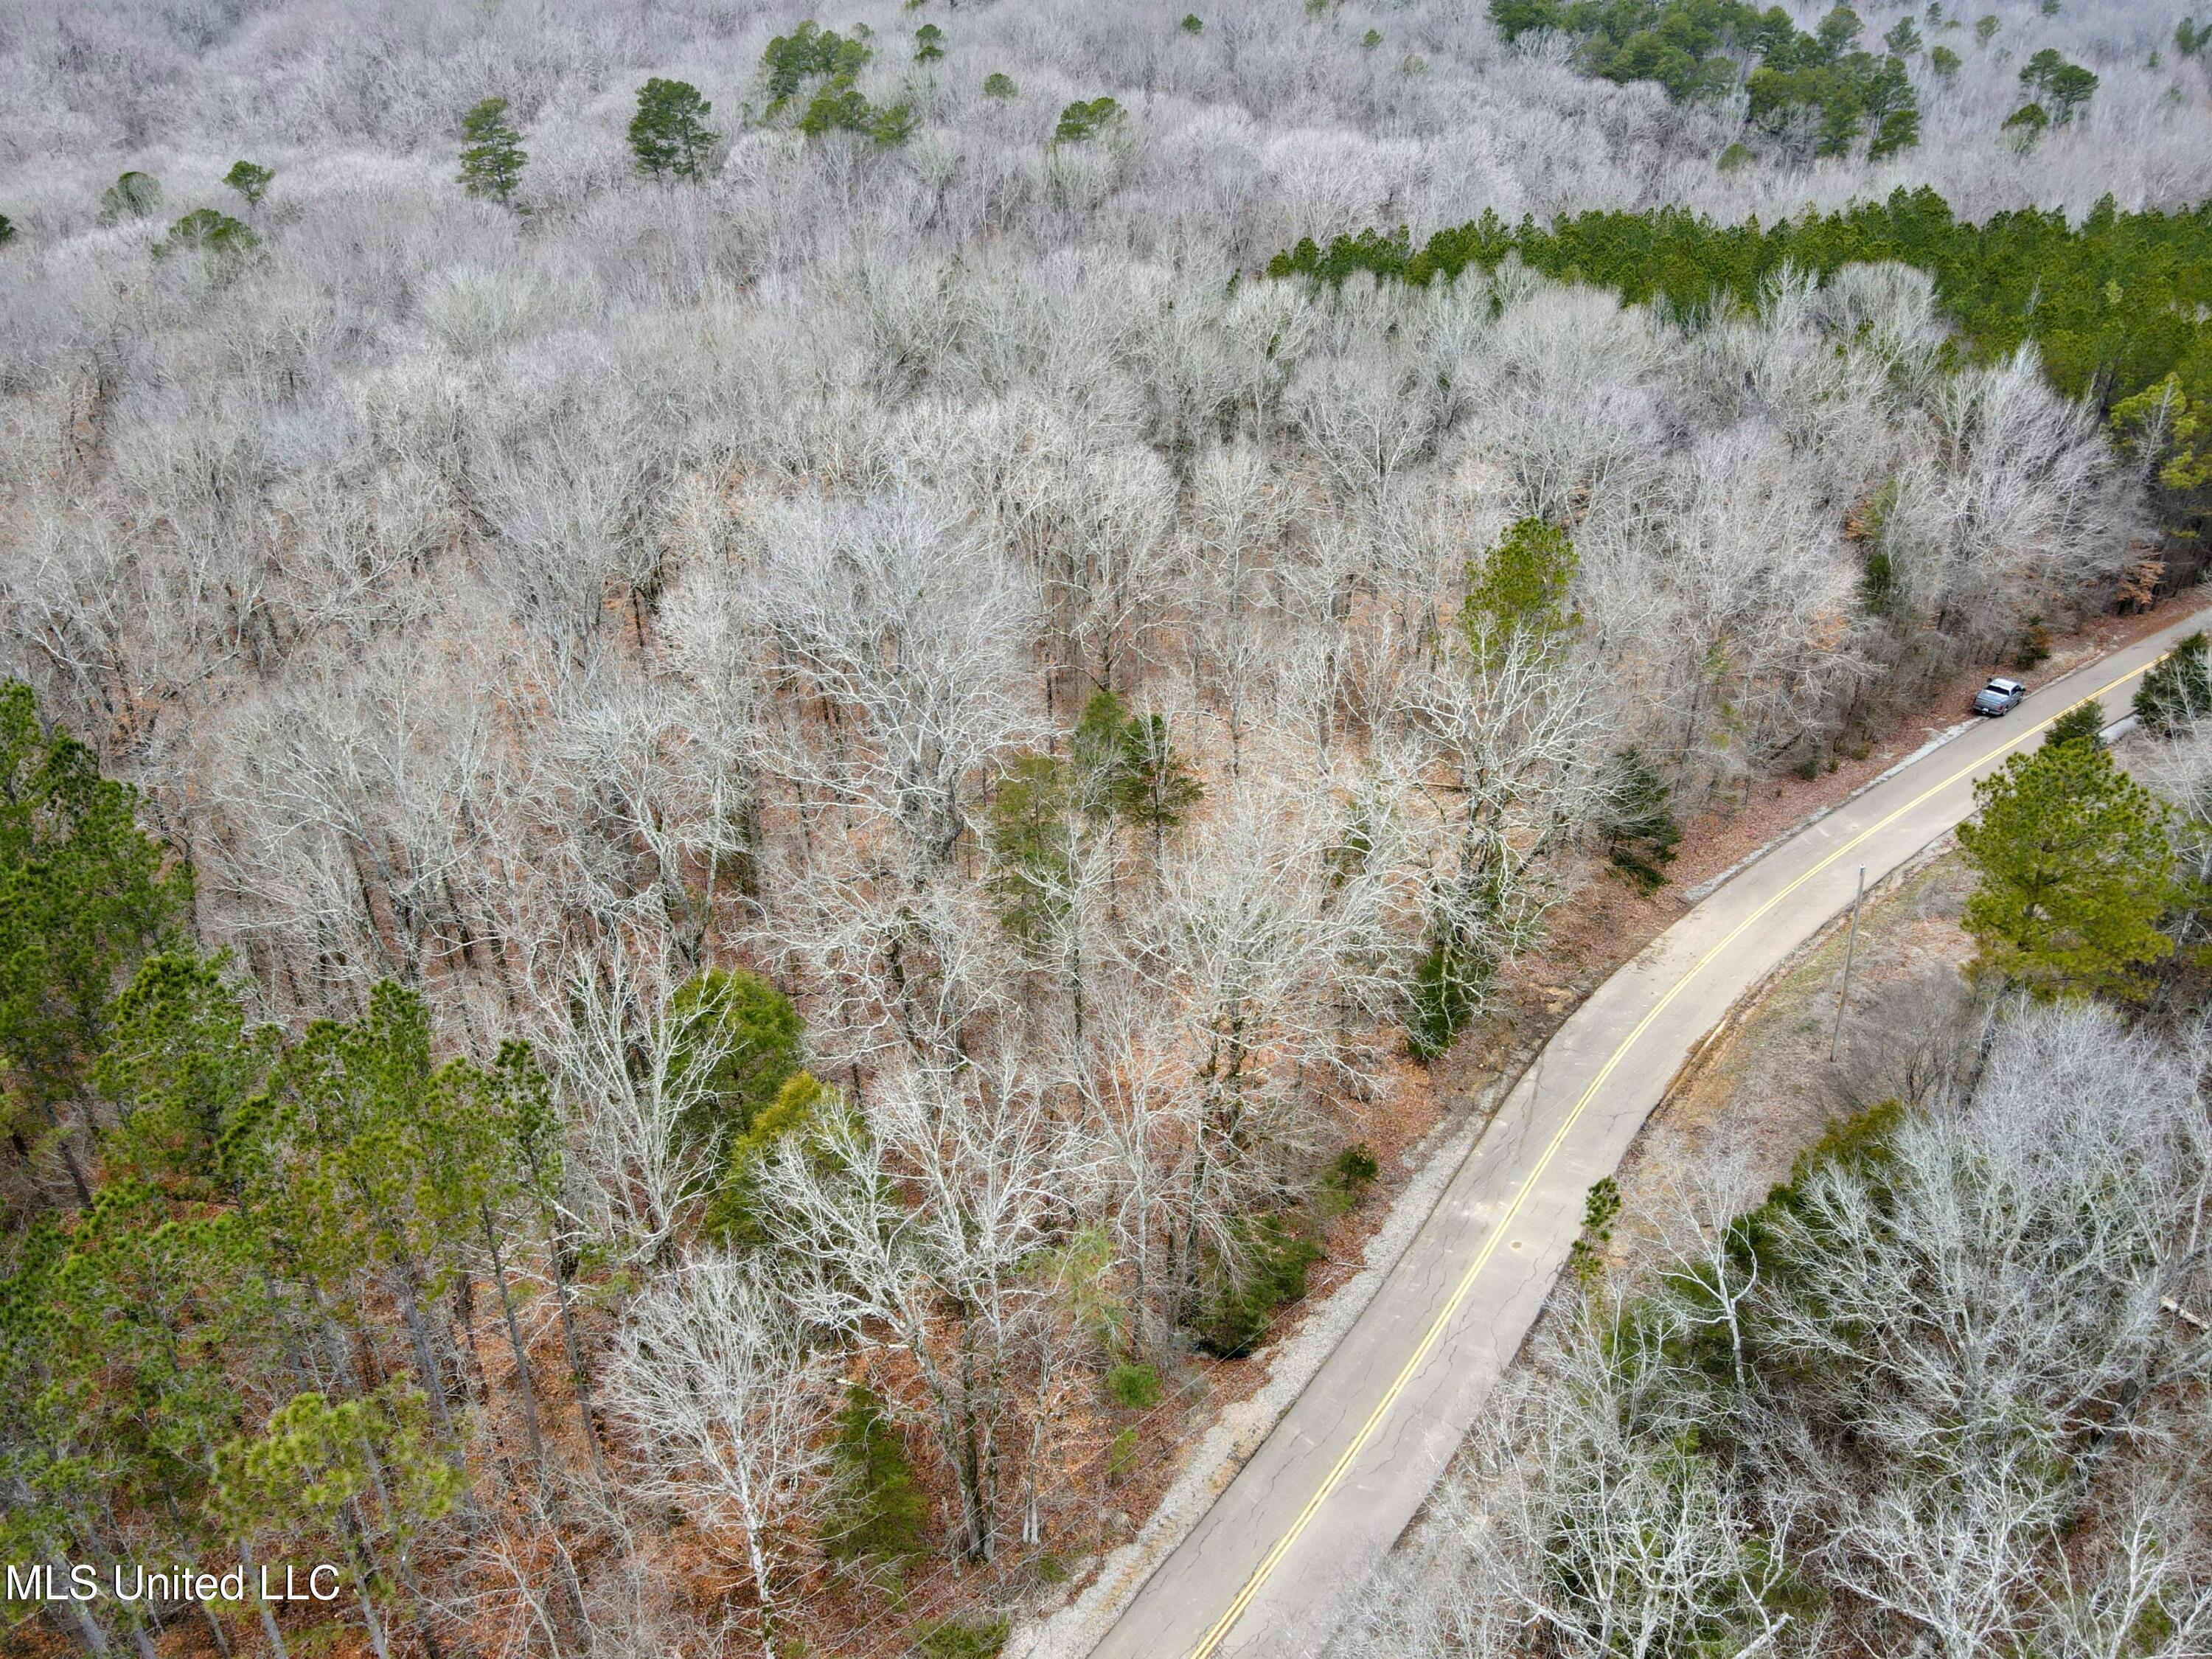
1221	1627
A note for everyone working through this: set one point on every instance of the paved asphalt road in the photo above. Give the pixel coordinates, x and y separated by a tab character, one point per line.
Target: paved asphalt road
1269	1571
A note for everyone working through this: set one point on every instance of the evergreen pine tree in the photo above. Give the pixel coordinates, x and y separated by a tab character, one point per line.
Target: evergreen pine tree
492	155
366	1473
179	1064
85	896
669	133
2083	723
1639	830
2075	872
1154	786
1027	837
250	180
1519	597
753	1035
2177	691
875	1513
223	239
132	195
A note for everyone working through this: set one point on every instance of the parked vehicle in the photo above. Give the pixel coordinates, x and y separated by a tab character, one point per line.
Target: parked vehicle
1999	697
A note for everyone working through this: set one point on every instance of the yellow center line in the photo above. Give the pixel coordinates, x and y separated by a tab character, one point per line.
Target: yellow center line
1261	1573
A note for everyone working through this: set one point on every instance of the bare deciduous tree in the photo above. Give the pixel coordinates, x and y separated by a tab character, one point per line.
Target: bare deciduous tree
915	1221
727	1405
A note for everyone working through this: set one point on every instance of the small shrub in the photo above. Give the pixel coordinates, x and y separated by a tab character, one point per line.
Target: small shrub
874	1512
1121	1454
955	1639
2083	723
998	84
1355	1166
1945	62
1638	830
1274	1272
2178	689
1347	1177
1193	23
1735	158
1133	1387
928	44
2034	646
1448	991
1807	769
132	195
6	230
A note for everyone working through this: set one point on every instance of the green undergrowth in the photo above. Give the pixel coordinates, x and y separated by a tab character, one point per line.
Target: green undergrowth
1276	1257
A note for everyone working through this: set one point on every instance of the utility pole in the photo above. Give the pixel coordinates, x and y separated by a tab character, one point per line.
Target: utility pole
1851	945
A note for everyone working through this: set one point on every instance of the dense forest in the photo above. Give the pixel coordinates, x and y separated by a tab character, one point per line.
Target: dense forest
2116	308
737	761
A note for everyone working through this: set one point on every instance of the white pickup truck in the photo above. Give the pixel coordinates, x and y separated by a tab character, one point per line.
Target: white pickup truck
1999	697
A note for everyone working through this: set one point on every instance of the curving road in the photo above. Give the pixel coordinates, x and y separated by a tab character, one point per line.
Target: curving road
1268	1570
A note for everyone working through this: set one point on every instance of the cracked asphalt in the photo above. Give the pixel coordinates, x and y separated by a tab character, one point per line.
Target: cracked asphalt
1270	1568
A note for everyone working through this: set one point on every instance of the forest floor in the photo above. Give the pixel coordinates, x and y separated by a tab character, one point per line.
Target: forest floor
1420	1123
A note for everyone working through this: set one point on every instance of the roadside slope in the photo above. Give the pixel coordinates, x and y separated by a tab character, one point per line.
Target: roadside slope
1268	1570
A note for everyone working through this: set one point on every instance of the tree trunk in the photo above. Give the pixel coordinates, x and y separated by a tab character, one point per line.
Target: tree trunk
247	1563
523	1383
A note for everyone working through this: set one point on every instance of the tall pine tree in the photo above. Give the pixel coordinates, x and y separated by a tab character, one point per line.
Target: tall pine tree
85	896
492	155
2074	870
669	134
